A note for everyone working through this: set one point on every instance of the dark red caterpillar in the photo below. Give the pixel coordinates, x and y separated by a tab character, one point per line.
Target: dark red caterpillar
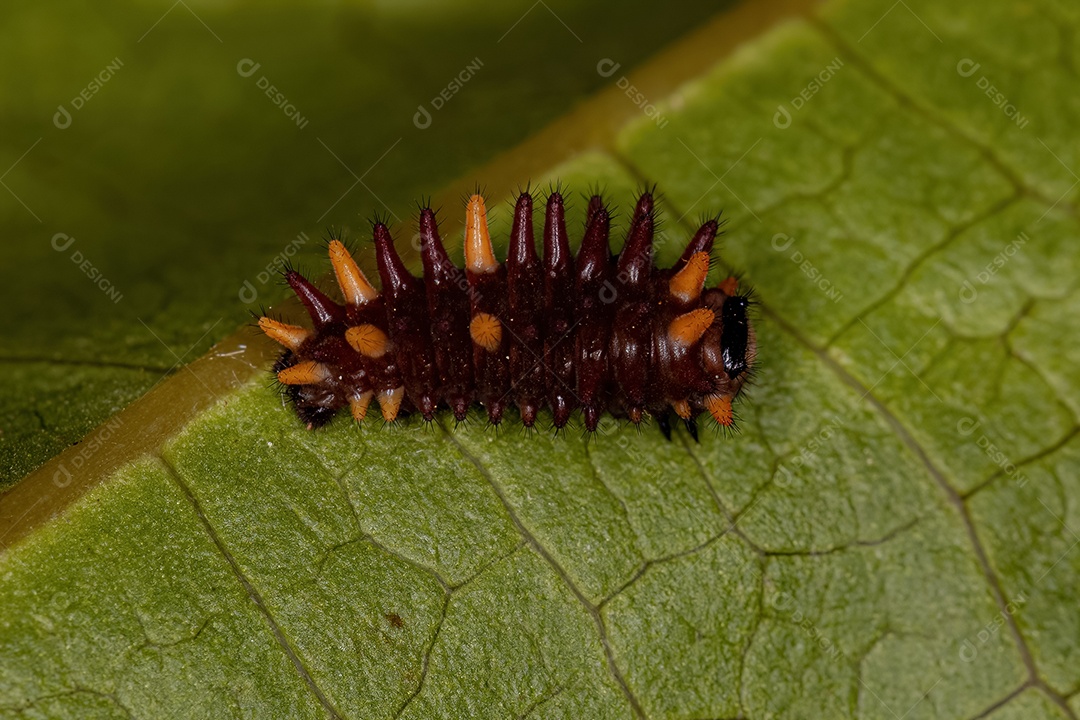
599	332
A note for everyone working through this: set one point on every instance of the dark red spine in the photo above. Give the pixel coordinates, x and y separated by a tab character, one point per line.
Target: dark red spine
525	289
448	318
559	321
406	312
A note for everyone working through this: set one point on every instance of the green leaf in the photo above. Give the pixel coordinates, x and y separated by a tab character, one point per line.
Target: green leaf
894	533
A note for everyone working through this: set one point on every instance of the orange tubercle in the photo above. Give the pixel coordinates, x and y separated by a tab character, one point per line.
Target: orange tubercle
688	328
308	372
358	405
719	406
291	336
686	285
367	340
390	402
354	286
730	285
682	409
486	331
479	255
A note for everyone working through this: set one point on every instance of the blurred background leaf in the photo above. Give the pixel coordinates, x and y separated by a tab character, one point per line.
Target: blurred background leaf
178	179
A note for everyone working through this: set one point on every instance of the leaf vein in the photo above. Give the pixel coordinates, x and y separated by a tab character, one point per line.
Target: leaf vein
253	594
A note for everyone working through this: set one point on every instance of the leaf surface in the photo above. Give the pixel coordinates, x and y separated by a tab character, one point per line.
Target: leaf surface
892	534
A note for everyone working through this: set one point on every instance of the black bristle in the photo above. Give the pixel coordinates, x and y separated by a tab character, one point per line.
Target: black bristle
691	427
663	421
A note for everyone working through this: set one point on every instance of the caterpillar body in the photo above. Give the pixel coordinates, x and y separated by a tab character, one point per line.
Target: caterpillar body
595	332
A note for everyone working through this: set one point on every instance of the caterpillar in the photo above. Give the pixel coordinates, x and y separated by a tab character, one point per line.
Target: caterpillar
596	332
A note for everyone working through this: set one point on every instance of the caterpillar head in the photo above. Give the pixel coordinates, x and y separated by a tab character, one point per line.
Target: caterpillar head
728	348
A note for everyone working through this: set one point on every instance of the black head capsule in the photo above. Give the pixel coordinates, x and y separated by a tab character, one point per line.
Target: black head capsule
735	335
